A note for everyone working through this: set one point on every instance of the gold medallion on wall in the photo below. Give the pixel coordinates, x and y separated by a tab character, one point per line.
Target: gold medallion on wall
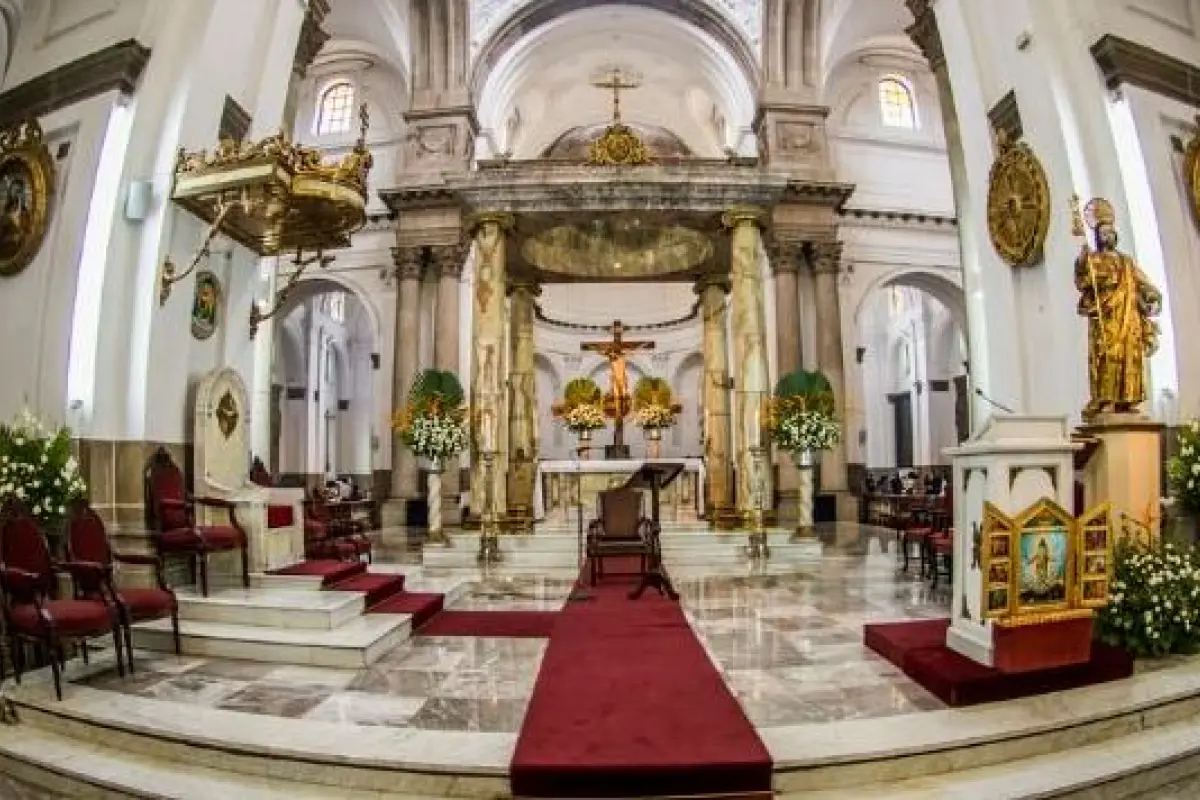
1191	172
1018	207
26	193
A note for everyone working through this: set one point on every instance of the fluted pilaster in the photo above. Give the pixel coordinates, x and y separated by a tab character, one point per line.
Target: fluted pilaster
448	260
522	436
718	493
827	264
409	265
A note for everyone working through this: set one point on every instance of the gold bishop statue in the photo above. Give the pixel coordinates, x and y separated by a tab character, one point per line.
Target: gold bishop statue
1120	304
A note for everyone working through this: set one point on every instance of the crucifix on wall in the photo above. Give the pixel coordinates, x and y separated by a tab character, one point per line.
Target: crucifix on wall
619	399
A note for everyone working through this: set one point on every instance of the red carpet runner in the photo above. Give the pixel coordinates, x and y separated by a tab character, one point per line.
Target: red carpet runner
384	592
499	624
628	704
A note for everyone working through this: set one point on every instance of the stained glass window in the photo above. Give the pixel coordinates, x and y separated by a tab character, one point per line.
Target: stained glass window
335	109
896	105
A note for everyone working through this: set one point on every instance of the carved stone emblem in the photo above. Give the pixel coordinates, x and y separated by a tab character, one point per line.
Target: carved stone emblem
227	414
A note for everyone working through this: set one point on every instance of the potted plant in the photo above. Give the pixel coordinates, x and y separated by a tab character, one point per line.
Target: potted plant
581	410
801	422
1183	476
38	470
432	425
654	410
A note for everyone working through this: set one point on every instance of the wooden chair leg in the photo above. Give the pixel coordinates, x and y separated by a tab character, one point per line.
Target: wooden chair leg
203	566
175	631
56	667
118	633
83	647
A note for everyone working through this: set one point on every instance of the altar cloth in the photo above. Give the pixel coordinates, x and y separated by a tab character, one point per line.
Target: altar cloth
556	479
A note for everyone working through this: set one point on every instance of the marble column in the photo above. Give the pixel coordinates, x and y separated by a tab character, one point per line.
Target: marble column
718	490
449	260
751	380
786	258
409	265
522	444
827	262
489	362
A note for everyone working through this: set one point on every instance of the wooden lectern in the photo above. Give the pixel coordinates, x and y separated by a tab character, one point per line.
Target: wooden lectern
655	477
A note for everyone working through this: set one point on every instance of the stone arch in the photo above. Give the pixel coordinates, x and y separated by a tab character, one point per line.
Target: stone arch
934	282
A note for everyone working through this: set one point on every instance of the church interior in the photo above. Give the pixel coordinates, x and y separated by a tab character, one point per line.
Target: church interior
626	398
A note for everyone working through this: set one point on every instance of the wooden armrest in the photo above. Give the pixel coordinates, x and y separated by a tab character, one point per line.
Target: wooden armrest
214	502
137	558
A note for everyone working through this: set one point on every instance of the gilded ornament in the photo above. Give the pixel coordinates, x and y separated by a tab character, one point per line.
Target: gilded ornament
1191	171
618	145
227	414
27	191
1018	207
1120	304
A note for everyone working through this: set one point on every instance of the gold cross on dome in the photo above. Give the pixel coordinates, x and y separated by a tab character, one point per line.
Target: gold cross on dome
616	81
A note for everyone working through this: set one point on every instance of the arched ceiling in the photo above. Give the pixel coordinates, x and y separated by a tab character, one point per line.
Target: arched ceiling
382	24
542	86
850	26
488	15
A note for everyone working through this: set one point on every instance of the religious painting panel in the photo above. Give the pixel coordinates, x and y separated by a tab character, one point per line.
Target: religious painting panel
1043	559
996	562
206	305
1095	556
26	191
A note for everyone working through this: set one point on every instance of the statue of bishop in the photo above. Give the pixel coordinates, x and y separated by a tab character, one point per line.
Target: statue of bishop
1120	304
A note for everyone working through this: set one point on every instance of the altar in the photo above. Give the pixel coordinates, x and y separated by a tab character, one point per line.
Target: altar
560	483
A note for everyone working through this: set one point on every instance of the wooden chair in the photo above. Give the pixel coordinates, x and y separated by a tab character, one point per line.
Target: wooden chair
87	542
278	516
329	536
619	530
31	610
172	520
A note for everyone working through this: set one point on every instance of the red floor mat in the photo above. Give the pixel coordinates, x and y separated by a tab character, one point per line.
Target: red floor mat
499	624
919	648
331	571
422	606
377	587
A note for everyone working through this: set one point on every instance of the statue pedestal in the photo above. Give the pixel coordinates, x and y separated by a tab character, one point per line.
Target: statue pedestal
1012	463
1125	469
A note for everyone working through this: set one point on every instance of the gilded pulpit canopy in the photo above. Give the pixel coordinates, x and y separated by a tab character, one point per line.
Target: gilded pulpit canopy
1120	304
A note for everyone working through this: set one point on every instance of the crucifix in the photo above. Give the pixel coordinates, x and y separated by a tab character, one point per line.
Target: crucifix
616	81
615	351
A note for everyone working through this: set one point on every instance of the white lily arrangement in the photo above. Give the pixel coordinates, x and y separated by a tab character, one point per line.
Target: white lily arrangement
584	417
38	469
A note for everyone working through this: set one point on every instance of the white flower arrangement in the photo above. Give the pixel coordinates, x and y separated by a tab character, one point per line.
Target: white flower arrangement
584	417
37	468
798	431
1183	469
435	436
1154	602
654	416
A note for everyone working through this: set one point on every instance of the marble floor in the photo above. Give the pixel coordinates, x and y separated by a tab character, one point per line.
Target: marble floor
789	646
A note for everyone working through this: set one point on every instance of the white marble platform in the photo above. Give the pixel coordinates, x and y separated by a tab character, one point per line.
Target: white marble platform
358	642
276	608
556	548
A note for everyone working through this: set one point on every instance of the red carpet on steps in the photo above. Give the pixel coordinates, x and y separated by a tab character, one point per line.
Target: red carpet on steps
919	649
421	605
628	704
377	587
499	624
330	572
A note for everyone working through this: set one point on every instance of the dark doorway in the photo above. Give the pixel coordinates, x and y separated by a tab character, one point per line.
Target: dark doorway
902	416
962	409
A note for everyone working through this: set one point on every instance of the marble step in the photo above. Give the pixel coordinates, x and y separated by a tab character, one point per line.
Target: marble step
357	643
1109	770
271	607
332	759
72	768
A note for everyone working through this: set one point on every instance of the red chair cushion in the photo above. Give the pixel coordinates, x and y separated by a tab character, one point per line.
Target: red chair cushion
216	537
168	485
314	530
71	617
148	603
280	516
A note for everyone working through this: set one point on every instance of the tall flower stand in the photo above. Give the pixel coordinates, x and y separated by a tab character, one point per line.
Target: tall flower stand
758	549
489	527
653	442
437	534
585	443
804	486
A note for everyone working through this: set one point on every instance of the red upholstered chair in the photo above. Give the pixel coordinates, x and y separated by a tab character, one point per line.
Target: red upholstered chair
619	530
172	520
327	536
32	613
278	516
87	542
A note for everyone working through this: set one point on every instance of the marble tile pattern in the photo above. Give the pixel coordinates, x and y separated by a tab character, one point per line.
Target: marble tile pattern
789	645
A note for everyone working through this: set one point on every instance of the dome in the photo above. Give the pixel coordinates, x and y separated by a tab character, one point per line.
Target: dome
573	144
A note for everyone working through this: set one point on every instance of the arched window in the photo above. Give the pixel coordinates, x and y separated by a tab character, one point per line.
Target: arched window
335	109
896	104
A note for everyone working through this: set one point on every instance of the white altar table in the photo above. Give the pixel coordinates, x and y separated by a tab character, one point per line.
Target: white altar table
560	483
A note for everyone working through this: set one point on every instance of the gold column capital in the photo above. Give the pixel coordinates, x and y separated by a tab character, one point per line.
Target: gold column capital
740	216
503	219
712	281
526	286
